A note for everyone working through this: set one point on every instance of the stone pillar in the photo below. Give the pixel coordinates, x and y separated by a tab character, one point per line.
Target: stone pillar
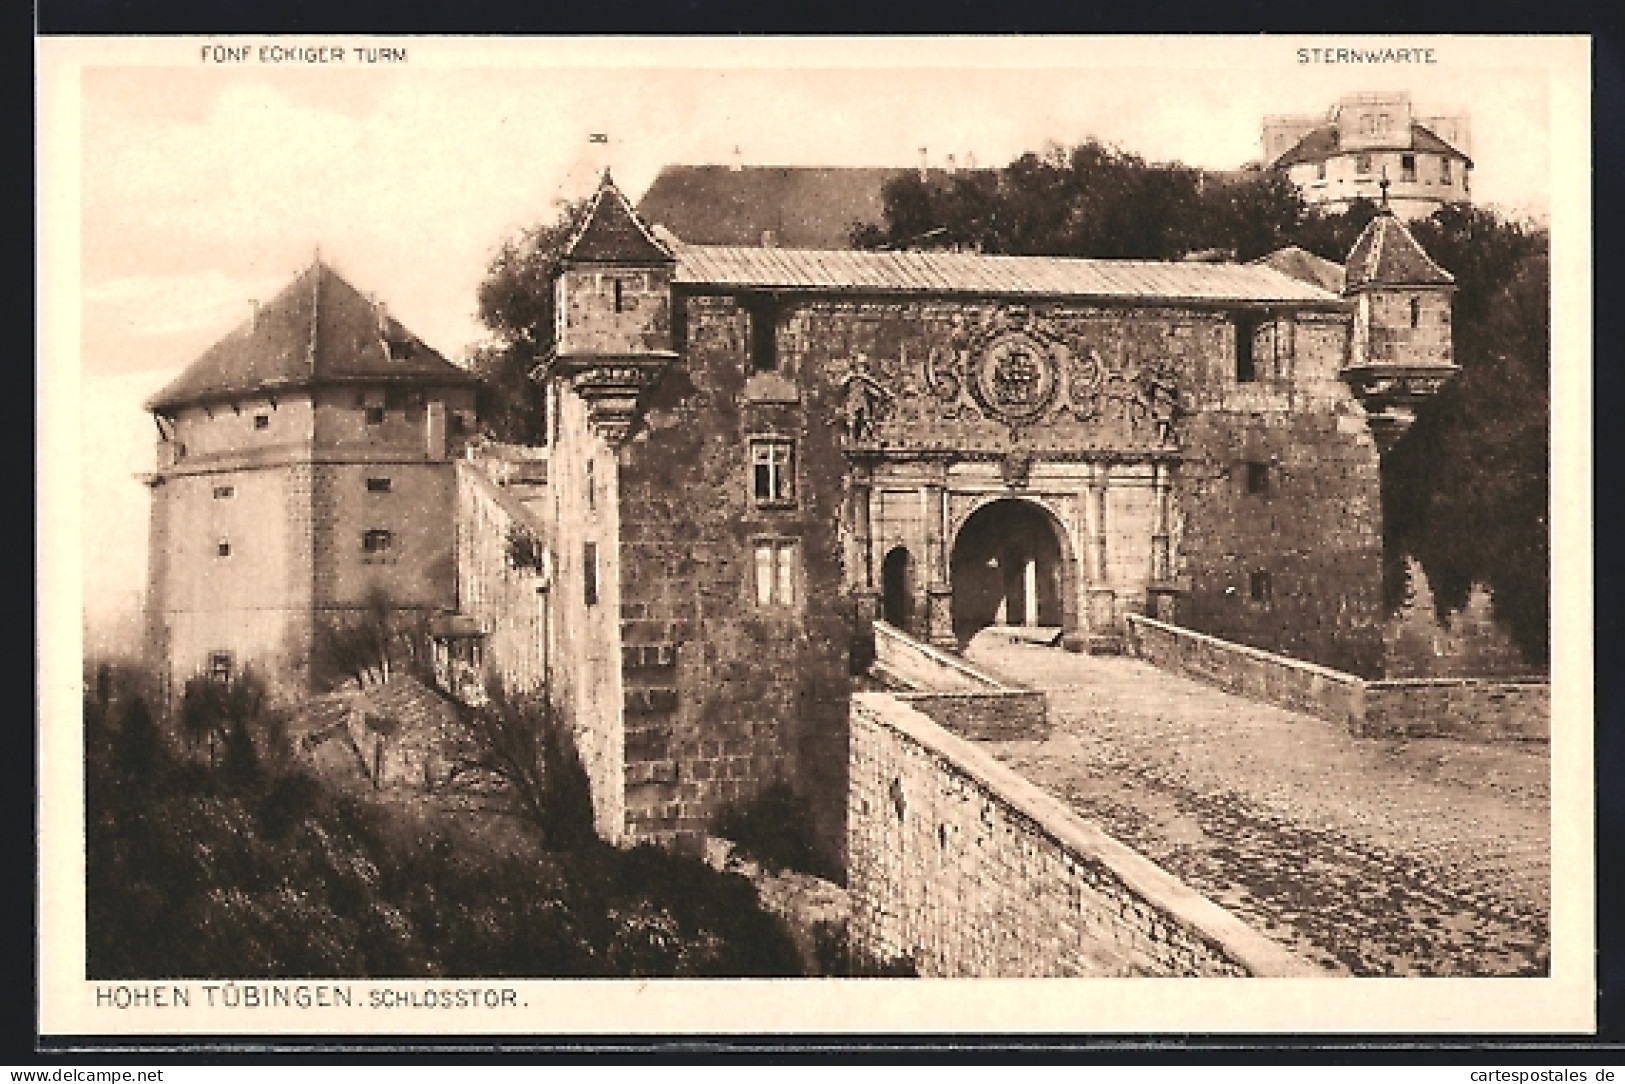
1163	590
939	599
1160	570
862	555
1101	613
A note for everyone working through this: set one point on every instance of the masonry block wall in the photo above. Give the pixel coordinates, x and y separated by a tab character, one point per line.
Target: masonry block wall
230	569
507	600
585	611
261	521
735	628
963	868
1278	497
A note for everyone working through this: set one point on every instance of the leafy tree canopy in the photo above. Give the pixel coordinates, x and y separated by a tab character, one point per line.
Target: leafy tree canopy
516	304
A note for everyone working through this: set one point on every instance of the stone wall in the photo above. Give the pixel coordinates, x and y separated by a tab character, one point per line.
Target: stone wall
735	668
986	715
956	694
966	870
506	600
1247	671
919	666
1475	710
1468	708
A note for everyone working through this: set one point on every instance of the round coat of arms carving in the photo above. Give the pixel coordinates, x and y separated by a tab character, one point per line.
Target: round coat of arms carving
1015	378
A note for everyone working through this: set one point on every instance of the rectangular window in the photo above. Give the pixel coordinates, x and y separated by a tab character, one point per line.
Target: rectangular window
1258	478
378	485
220	666
620	296
592	489
1362	164
1258	586
262	421
1407	167
1246	367
589	573
776	572
222	548
375	415
773	472
1320	170
224	493
376	541
1444	171
764	337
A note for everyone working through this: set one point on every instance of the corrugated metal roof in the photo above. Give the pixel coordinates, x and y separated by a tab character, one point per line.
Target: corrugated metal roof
963	273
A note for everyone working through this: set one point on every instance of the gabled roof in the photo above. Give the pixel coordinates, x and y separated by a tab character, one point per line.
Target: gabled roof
611	232
858	272
1387	255
1321	143
1305	266
318	330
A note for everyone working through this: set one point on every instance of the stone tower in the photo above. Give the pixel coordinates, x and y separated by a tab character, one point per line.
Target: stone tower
1400	349
612	342
303	463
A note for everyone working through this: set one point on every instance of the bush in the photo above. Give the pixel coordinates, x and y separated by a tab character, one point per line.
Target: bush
195	871
774	830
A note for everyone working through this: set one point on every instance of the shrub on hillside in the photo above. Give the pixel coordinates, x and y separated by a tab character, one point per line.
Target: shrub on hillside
196	871
775	830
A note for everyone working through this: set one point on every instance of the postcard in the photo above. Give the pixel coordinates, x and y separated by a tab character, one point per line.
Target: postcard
806	536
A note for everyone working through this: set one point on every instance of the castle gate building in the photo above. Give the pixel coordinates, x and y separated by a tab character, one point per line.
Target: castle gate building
757	452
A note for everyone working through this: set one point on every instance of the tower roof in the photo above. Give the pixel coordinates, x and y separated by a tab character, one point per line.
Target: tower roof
1322	142
318	330
1387	255
611	232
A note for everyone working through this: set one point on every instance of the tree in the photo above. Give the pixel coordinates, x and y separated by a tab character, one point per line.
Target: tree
516	304
516	748
1092	200
368	645
222	713
1466	490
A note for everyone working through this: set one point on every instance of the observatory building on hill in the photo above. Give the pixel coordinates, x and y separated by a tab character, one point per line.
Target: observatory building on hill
1365	139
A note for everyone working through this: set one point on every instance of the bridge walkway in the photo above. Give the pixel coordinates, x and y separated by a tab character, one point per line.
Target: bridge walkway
1369	856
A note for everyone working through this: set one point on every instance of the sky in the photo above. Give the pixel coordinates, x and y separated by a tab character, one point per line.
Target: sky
202	186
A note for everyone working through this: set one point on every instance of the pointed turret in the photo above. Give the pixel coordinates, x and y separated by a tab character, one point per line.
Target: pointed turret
1401	349
612	312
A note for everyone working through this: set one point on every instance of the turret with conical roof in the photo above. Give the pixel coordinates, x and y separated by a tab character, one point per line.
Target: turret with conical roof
612	311
1400	352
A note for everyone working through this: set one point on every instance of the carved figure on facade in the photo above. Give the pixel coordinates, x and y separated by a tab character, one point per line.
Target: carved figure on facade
864	402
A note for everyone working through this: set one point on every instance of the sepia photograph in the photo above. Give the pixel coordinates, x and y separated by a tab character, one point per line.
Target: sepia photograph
824	517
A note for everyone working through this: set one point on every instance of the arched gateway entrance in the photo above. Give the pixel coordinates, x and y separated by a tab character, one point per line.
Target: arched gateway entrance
1010	566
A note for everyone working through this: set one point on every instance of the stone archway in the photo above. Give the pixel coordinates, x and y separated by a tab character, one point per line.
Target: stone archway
1011	565
897	589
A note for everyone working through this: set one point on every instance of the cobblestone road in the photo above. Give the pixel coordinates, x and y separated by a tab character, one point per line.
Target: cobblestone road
1368	856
